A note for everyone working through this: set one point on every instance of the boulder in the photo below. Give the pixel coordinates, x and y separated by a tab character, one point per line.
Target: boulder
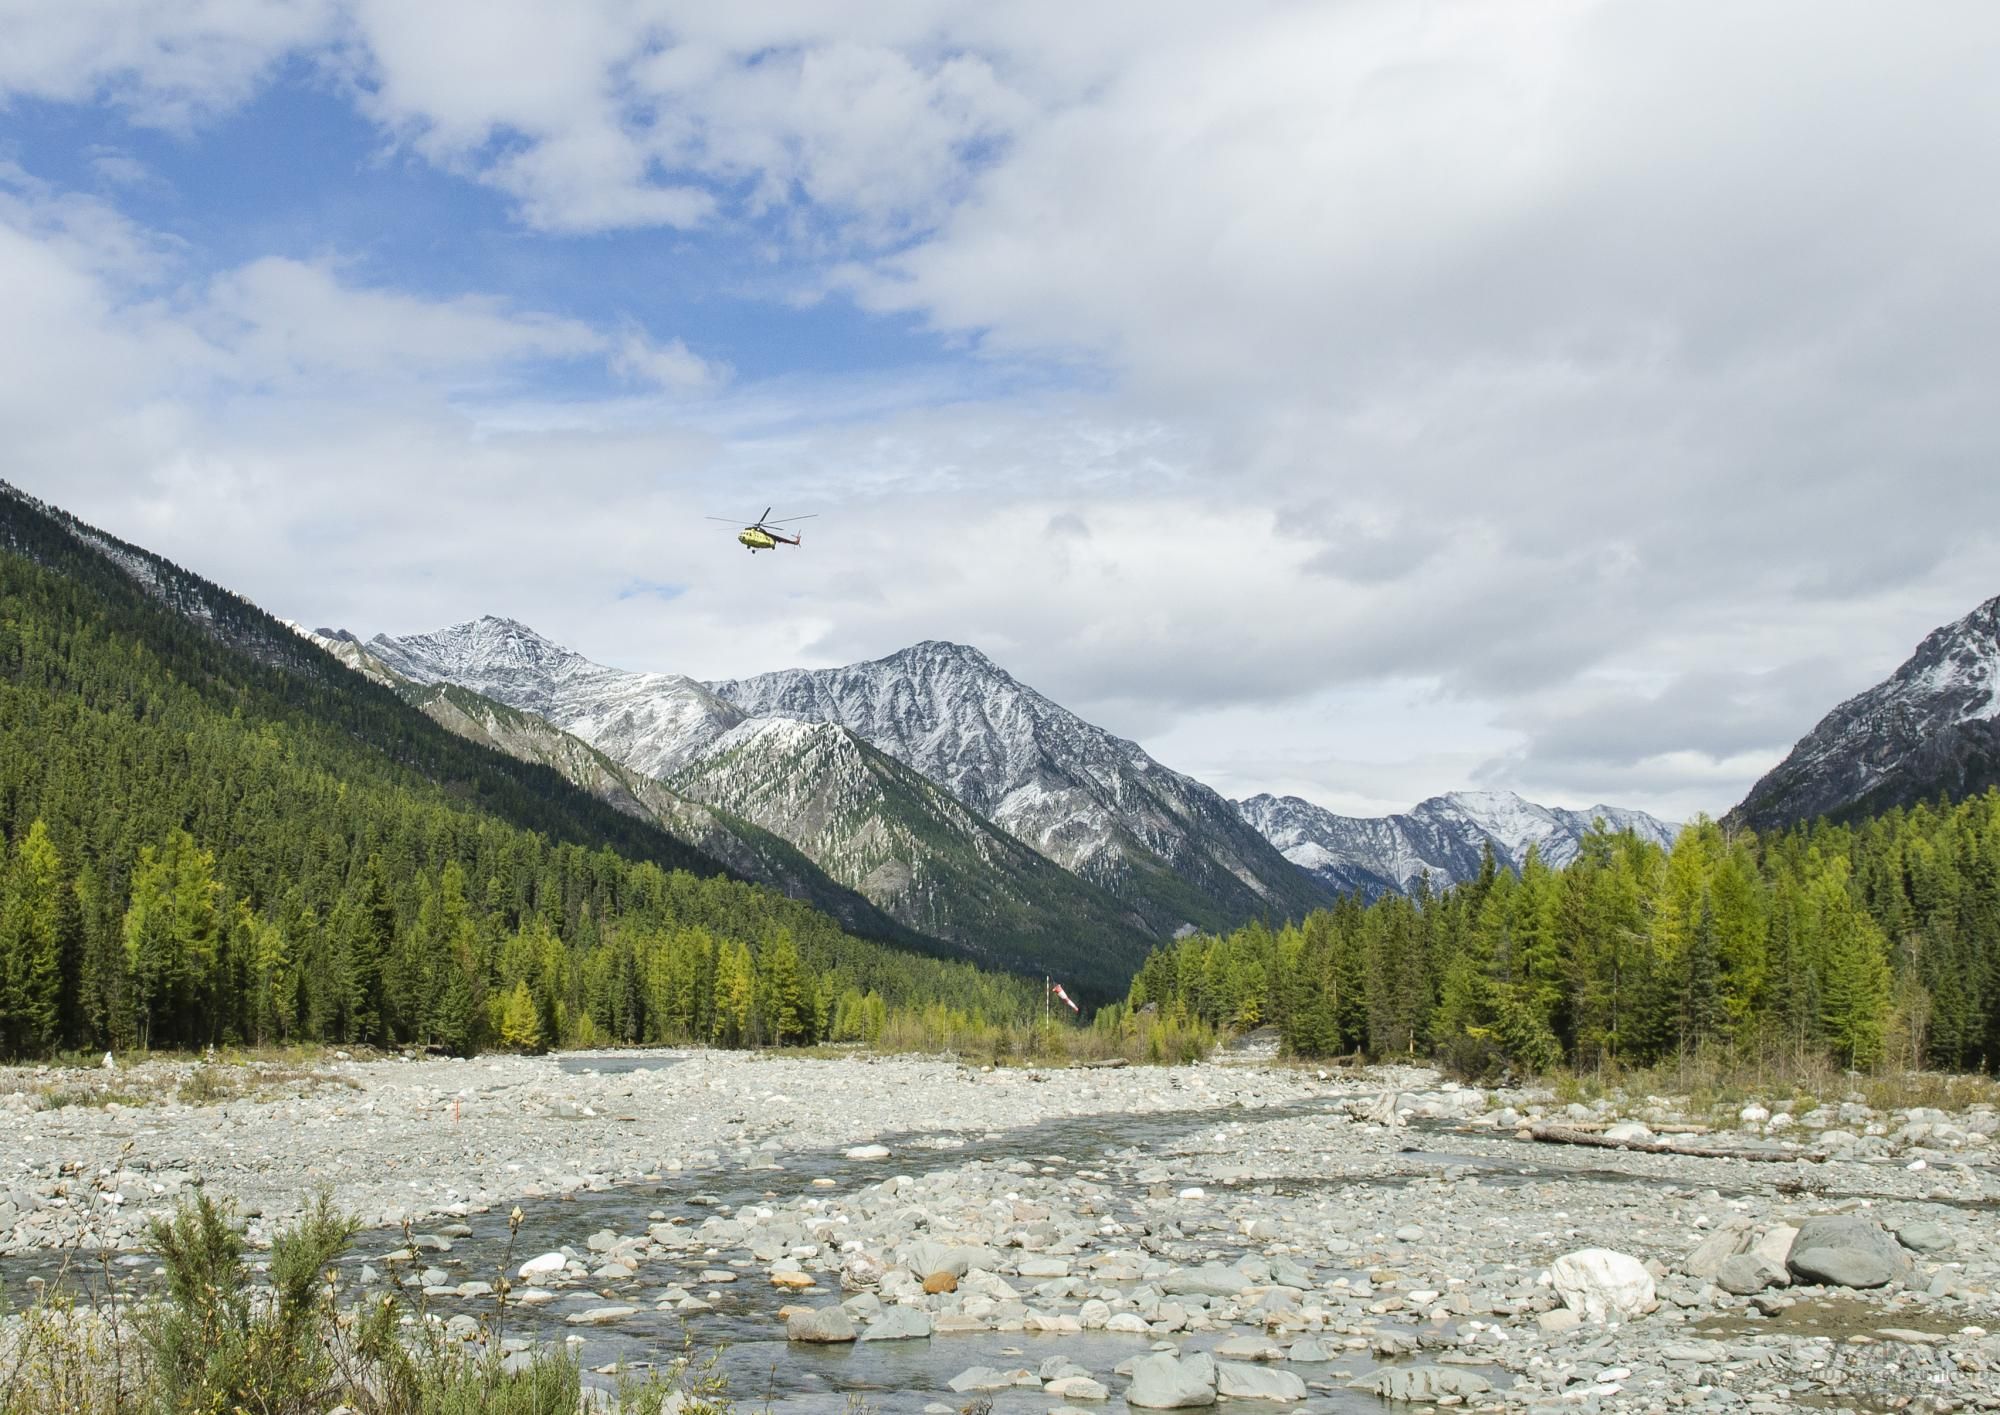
1718	1248
1776	1243
1077	1388
600	1316
982	1378
1246	1348
868	1152
824	1325
547	1265
899	1324
1168	1382
1424	1383
1627	1132
1842	1267
1239	1380
1747	1274
1923	1236
1600	1285
1208	1280
1845	1250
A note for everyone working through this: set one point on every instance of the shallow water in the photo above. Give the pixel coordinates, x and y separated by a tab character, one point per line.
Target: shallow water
615	1063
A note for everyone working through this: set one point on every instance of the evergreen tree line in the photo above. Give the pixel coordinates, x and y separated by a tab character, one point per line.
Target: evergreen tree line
1876	944
199	845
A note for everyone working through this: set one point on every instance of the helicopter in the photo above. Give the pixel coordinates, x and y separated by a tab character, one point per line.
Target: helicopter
761	534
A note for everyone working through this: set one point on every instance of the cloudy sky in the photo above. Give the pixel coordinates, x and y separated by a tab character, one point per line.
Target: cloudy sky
1354	399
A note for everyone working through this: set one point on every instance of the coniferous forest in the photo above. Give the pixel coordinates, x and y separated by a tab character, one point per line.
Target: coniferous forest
214	832
1873	944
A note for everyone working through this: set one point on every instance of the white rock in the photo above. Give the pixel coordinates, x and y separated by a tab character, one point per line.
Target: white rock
1603	1286
547	1265
1245	1382
1077	1388
868	1152
1169	1382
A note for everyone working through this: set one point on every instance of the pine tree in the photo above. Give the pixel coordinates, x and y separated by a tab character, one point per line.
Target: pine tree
787	1002
1855	996
520	1028
31	936
171	930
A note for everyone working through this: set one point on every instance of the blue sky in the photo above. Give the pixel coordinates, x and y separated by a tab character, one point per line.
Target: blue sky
297	172
1361	400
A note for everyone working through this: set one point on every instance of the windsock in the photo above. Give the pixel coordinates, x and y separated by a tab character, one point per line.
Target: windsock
1057	989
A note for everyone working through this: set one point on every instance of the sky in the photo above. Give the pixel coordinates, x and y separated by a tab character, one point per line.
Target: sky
1346	399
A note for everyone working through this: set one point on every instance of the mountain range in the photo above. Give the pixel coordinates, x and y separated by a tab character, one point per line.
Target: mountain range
940	723
1446	838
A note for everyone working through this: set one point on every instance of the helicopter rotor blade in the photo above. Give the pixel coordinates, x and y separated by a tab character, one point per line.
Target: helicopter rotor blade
787	520
767	515
726	520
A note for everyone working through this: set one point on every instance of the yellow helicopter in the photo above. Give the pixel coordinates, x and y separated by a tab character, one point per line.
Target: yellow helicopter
761	534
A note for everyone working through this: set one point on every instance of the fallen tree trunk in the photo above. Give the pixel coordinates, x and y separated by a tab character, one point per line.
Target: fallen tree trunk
1587	1127
1565	1135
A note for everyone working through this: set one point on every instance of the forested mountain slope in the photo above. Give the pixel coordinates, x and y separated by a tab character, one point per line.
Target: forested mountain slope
213	829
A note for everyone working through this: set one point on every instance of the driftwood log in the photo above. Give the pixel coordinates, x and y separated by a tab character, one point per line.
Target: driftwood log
1567	1135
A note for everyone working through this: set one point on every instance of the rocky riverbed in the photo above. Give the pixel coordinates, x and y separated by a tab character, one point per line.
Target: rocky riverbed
929	1235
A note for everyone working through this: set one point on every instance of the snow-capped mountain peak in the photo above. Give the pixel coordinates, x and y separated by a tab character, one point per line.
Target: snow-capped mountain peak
1088	799
652	722
477	649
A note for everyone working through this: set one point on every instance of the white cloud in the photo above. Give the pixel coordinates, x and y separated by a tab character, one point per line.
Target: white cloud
168	63
671	365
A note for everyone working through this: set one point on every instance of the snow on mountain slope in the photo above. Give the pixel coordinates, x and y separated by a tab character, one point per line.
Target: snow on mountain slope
352	652
1446	836
1095	803
1932	726
652	722
227	618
